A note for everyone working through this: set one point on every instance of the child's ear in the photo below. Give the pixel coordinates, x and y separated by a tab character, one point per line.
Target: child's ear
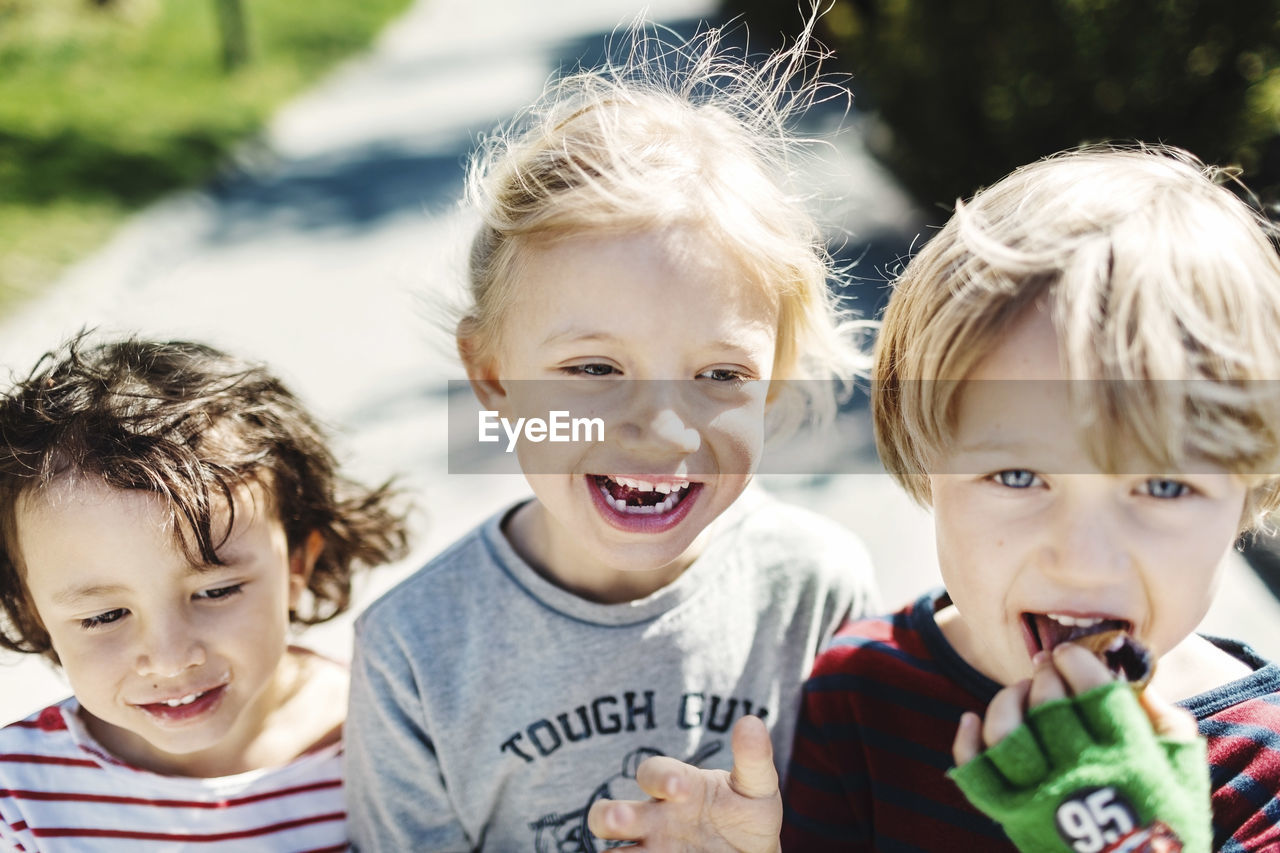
482	371
302	562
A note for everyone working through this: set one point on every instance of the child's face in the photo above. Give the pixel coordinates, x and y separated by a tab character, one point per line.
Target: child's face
175	665
597	313
1028	526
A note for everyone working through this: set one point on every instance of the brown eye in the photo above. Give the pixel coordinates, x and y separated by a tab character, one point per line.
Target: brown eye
722	374
103	619
220	592
592	369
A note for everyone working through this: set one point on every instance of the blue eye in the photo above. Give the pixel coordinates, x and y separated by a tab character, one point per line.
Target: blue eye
220	592
1166	489
593	369
103	619
1016	478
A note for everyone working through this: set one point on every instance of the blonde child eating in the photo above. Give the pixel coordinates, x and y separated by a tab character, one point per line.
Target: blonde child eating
638	260
1077	375
167	512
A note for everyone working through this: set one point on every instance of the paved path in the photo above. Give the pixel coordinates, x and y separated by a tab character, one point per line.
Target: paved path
326	249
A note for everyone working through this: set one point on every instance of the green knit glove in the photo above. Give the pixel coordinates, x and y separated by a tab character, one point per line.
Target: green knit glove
1088	774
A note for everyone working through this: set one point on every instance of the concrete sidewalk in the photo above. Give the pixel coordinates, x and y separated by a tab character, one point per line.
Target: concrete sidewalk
326	248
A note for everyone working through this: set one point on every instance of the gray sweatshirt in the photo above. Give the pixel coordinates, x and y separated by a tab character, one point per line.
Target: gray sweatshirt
490	708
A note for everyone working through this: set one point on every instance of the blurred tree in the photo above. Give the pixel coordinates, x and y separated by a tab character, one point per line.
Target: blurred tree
234	32
966	91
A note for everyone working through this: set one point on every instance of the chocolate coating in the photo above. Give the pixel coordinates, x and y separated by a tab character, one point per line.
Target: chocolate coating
1122	654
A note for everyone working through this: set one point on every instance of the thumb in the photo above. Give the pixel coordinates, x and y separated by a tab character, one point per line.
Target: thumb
1168	720
754	775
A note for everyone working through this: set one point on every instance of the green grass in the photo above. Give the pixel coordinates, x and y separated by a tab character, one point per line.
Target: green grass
104	110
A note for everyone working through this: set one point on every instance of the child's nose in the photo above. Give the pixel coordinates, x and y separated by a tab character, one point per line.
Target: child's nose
1087	547
656	422
670	428
169	646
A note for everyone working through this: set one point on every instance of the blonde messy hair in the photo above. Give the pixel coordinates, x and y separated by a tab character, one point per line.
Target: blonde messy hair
675	135
1151	270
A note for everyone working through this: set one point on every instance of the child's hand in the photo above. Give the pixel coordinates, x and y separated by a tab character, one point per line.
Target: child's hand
695	809
1088	764
1070	671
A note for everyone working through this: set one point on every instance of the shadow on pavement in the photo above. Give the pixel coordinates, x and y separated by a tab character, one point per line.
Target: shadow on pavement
349	193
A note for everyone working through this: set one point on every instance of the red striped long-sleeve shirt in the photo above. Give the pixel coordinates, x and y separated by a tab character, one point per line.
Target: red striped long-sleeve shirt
60	791
874	742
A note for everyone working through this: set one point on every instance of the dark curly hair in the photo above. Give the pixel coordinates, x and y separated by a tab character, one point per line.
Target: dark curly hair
190	423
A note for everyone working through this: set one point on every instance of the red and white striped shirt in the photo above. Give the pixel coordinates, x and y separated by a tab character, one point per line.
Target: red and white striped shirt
61	791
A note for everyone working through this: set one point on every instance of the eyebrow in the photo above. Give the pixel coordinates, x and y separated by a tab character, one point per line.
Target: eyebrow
994	445
75	594
988	446
577	336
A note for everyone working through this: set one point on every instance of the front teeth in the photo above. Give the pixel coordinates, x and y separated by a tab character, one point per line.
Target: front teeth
1074	621
672	489
185	700
646	486
631	483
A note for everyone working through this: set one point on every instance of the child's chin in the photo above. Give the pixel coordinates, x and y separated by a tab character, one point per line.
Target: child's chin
643	559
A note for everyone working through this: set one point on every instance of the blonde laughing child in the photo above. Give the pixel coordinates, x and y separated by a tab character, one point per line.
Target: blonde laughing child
1078	376
167	513
639	259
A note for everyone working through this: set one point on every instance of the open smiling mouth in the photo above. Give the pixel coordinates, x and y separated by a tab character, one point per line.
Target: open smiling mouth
185	707
637	496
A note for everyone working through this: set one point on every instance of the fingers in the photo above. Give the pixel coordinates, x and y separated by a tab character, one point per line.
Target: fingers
1046	685
660	777
665	778
1006	711
617	820
753	773
697	809
1080	669
1068	670
968	740
1168	720
1004	714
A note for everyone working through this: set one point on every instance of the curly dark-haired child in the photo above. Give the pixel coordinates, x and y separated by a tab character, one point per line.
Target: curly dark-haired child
167	513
